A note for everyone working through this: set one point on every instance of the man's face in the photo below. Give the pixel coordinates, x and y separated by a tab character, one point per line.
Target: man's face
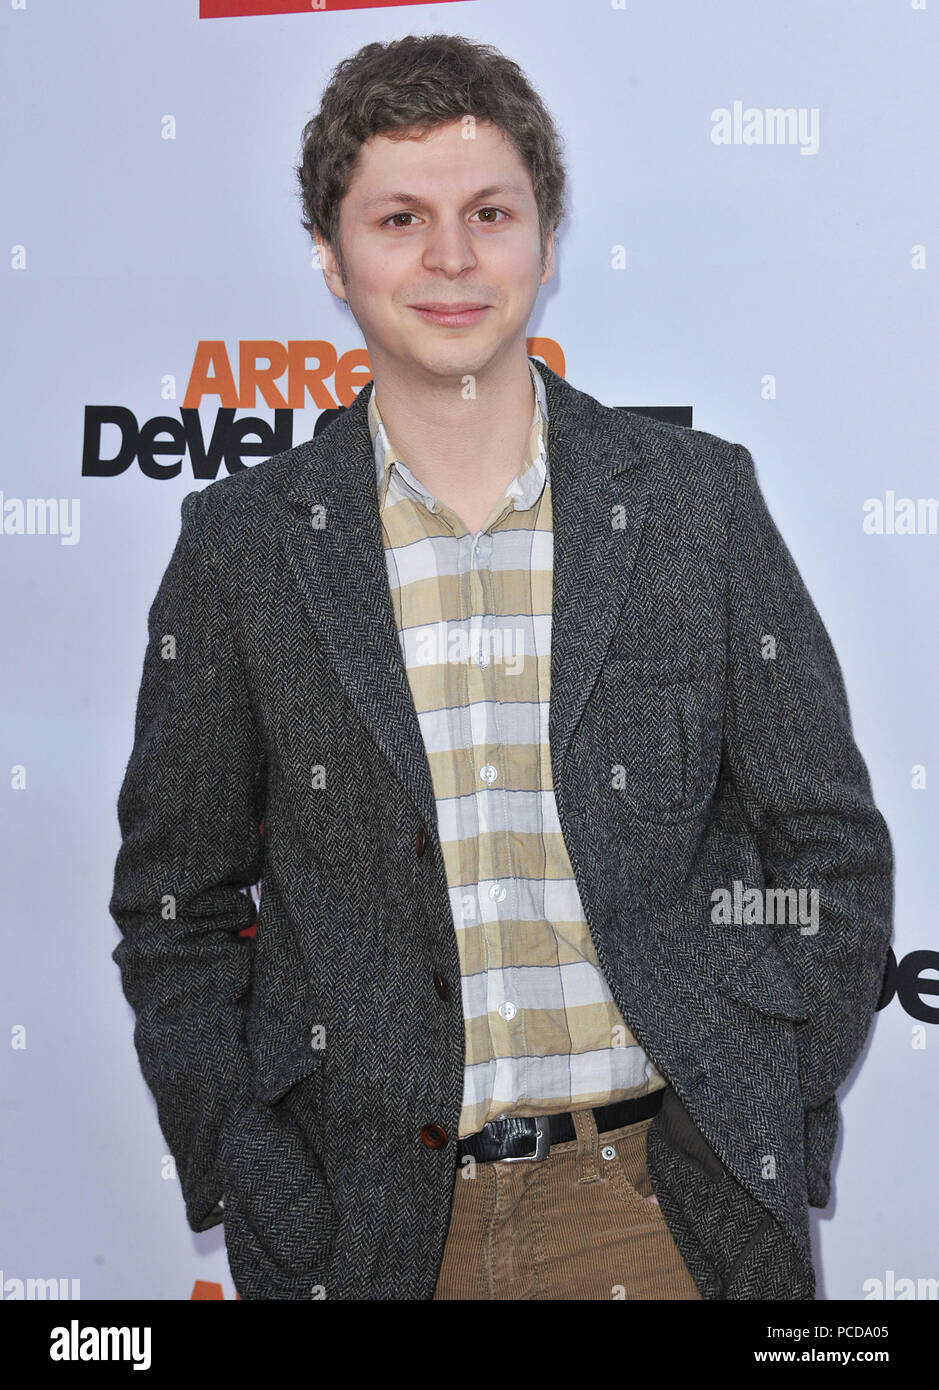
439	220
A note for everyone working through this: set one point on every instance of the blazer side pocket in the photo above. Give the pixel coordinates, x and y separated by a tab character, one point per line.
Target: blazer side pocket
279	1217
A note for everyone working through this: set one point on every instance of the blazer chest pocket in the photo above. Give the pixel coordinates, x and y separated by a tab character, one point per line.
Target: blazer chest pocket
662	727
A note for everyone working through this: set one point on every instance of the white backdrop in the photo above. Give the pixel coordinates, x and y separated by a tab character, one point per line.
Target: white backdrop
785	291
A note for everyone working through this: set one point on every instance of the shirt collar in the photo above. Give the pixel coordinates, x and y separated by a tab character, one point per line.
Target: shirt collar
524	489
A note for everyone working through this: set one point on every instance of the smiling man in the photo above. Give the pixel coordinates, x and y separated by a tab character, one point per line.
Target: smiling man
499	692
442	285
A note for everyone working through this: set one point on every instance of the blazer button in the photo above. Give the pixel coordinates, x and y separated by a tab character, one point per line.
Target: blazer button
420	841
440	984
434	1136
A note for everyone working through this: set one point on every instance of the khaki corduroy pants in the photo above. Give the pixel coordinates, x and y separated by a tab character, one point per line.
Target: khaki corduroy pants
576	1225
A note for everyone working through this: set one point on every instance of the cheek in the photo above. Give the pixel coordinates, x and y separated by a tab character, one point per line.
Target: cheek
377	269
523	270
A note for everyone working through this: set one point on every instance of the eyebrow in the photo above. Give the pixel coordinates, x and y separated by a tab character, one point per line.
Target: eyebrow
493	191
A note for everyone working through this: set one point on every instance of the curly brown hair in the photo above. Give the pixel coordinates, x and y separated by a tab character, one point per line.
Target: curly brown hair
406	88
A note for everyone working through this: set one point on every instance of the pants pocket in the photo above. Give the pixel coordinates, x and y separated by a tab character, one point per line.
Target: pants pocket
623	1160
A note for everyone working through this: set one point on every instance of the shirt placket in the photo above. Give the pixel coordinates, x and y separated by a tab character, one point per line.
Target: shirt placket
492	863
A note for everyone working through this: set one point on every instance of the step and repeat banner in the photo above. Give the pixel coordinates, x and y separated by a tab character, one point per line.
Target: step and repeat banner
750	246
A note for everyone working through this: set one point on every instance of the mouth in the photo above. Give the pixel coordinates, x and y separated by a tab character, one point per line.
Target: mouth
451	315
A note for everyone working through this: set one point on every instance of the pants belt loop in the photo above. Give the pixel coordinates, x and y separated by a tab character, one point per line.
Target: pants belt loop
588	1148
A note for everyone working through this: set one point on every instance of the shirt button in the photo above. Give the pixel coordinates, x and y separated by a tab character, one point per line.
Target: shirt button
481	659
434	1136
440	984
508	1009
488	773
497	892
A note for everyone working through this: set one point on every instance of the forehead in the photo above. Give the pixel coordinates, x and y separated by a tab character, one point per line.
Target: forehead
454	158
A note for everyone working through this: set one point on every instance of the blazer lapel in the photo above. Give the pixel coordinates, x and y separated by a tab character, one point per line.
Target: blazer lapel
333	544
332	541
599	494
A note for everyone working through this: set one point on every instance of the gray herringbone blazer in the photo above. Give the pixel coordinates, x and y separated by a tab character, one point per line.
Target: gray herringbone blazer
700	737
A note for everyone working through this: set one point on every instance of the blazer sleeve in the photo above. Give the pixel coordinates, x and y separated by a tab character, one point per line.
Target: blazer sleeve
189	810
806	794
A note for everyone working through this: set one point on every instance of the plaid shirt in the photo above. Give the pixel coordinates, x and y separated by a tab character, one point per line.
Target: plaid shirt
473	613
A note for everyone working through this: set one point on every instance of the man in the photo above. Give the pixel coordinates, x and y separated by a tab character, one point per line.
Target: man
575	902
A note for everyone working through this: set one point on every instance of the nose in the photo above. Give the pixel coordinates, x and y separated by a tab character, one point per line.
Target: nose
450	246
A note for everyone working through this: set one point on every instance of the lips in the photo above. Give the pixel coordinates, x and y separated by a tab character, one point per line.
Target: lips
442	308
450	315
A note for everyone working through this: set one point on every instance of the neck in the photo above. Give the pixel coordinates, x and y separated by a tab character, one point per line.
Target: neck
464	451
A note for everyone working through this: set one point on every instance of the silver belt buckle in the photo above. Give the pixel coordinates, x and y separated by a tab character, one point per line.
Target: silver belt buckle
542	1143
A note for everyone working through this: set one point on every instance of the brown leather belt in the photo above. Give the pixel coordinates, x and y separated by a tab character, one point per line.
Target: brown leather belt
525	1137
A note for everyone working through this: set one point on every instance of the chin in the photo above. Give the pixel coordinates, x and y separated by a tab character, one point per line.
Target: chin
447	358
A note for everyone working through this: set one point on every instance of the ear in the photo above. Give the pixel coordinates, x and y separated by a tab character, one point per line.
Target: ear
330	267
549	259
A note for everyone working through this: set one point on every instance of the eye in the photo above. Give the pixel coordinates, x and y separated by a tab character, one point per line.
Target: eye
487	223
